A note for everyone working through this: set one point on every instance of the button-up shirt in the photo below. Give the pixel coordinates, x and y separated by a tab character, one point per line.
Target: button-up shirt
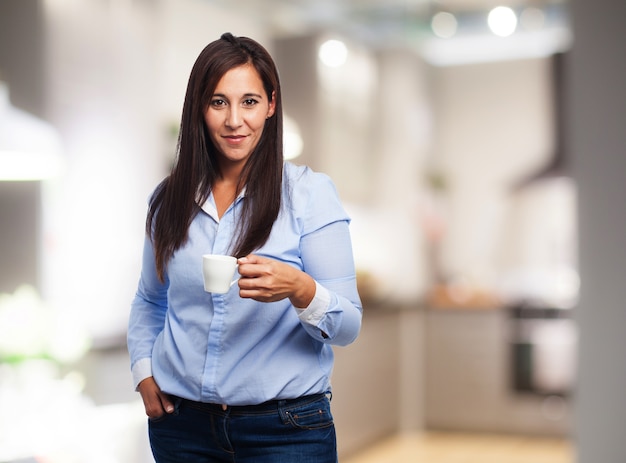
225	349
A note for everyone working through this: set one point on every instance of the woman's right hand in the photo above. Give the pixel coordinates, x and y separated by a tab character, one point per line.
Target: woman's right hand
155	401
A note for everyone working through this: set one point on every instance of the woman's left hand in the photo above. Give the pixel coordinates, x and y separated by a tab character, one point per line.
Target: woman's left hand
268	280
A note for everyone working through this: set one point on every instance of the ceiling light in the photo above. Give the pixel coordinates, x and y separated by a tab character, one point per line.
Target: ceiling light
502	21
444	25
333	53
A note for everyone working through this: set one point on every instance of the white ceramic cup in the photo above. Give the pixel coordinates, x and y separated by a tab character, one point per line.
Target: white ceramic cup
218	271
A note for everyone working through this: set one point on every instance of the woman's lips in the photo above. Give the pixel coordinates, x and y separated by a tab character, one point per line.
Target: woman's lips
234	139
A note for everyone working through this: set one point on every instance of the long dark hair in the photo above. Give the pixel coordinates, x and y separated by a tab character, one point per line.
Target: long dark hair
177	200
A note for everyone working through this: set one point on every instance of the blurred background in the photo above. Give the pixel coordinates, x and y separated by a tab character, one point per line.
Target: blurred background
450	129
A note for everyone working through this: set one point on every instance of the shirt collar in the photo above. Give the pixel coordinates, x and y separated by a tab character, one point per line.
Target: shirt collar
210	208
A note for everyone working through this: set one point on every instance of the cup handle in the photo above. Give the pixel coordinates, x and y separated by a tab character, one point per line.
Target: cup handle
236	279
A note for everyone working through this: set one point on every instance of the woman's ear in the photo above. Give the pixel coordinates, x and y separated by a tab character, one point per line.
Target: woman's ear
272	106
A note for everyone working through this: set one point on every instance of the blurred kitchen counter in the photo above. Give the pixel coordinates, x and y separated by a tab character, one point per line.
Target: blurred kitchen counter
468	377
415	367
377	380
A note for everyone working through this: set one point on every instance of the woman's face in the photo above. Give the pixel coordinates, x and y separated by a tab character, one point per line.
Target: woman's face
236	114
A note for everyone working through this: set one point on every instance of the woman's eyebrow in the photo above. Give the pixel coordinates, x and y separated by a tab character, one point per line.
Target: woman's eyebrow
256	95
245	95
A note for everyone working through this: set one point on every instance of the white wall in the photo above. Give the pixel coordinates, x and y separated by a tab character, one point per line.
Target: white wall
493	127
402	140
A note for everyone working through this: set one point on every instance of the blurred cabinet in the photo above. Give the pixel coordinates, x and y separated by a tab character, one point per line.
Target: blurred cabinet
468	378
377	379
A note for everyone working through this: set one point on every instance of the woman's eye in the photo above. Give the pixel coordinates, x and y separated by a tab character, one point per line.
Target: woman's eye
250	102
218	103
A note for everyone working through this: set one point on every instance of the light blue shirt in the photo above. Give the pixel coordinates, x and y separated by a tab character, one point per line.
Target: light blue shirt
223	349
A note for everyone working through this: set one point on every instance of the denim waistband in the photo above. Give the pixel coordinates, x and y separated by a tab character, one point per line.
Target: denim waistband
265	407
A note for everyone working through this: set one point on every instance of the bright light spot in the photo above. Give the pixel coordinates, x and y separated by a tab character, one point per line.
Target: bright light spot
292	139
502	21
444	25
16	166
333	53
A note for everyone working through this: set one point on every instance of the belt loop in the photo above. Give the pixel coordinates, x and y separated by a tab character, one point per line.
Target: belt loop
284	414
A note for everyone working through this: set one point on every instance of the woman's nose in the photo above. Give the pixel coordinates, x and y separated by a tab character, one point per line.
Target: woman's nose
233	120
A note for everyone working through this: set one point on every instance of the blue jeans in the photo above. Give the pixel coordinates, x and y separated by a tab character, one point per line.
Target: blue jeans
283	431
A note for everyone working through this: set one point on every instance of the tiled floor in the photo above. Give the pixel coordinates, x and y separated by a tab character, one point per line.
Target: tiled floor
436	447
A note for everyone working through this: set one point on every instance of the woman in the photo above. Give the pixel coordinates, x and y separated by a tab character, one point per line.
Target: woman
242	376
